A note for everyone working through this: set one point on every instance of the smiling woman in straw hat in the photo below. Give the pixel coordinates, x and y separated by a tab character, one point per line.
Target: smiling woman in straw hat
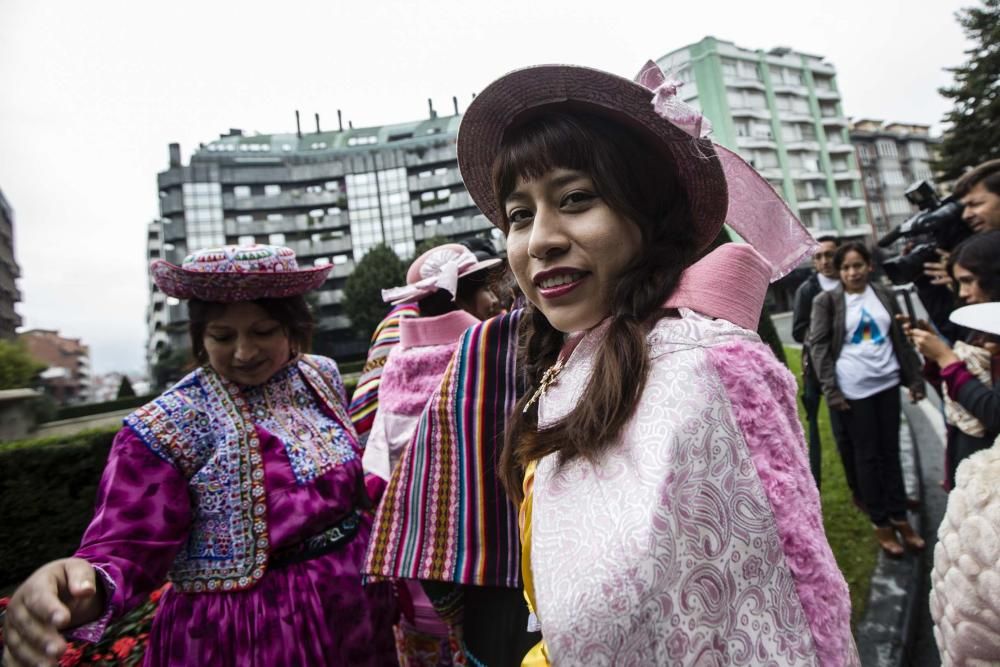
242	484
668	512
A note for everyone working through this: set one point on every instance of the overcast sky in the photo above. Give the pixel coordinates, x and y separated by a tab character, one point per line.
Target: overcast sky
92	92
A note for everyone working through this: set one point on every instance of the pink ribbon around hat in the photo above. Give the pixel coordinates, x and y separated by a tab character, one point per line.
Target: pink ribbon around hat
440	270
756	212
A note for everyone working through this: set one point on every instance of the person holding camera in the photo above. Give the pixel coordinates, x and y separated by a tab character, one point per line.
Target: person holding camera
968	369
823	279
978	191
861	357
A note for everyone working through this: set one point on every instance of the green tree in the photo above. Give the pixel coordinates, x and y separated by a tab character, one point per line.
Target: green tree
17	367
170	367
125	389
427	244
973	135
378	270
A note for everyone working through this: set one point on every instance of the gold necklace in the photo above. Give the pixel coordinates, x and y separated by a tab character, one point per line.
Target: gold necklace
548	378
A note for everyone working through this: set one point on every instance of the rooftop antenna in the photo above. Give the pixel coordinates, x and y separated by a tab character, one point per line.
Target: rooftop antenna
350	125
430	107
340	122
317	123
454	102
298	126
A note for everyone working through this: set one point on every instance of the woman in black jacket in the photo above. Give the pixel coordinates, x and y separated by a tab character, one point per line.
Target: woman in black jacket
861	357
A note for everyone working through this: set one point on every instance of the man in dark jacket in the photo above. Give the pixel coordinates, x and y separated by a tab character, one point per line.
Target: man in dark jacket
823	279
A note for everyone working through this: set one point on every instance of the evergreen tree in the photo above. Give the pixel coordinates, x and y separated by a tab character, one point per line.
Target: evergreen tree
427	244
974	133
377	270
125	388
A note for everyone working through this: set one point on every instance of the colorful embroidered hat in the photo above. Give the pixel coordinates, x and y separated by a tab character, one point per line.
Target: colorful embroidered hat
721	187
438	268
237	273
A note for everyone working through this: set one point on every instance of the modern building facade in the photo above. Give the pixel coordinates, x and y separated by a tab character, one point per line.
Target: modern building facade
68	376
892	156
781	110
330	196
9	273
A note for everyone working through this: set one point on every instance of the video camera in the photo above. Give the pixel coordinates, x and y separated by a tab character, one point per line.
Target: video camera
938	225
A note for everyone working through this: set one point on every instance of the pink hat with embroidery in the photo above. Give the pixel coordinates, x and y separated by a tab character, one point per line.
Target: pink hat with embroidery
720	186
438	268
237	273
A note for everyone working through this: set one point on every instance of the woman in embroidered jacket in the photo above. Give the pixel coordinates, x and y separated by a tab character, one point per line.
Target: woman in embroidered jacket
669	516
242	484
451	287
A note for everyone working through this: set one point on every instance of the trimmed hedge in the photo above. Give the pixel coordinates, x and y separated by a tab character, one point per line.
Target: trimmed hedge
88	409
47	492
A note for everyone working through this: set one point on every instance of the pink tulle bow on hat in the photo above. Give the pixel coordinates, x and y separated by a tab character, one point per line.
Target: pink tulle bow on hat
437	269
756	211
668	106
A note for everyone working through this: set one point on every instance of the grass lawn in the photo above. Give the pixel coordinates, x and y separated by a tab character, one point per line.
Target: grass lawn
848	530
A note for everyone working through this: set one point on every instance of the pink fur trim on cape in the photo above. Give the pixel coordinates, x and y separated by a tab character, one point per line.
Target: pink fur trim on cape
762	393
410	377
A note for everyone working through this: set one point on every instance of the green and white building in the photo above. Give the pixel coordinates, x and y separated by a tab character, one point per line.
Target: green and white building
781	110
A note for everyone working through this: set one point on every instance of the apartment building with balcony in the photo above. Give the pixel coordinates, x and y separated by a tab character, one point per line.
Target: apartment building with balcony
781	110
329	195
892	157
9	273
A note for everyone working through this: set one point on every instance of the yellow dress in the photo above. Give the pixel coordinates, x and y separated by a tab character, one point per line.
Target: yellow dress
537	656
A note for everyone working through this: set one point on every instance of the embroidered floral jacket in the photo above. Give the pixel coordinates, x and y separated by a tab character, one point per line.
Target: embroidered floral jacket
203	426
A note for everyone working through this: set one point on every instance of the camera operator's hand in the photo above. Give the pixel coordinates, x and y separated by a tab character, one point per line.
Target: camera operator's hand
938	271
916	395
932	346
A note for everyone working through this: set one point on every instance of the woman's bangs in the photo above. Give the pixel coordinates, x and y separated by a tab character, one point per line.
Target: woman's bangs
535	148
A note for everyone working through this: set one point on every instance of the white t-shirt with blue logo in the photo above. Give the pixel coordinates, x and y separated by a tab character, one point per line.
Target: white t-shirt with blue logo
867	364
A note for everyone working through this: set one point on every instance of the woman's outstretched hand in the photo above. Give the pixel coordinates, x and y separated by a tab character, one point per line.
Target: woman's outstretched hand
59	595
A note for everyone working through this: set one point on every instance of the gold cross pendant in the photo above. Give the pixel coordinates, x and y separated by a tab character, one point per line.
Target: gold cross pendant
548	378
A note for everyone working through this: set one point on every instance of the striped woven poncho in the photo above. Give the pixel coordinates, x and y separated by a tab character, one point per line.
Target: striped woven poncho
445	515
364	403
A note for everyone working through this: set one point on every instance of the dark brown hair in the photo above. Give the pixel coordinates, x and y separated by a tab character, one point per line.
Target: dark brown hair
988	173
635	180
291	312
980	255
851	246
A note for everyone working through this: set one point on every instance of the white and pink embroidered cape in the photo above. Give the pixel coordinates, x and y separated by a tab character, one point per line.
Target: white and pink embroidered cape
698	538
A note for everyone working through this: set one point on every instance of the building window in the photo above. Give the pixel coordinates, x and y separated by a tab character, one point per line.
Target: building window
241	191
276	239
203	215
340	259
379	208
321	261
886	148
246	240
272	190
275	217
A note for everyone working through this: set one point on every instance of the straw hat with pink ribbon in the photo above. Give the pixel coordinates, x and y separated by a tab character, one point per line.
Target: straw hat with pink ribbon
720	186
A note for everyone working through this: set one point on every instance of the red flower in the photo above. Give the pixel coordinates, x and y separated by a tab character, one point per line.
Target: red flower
158	593
123	647
71	657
